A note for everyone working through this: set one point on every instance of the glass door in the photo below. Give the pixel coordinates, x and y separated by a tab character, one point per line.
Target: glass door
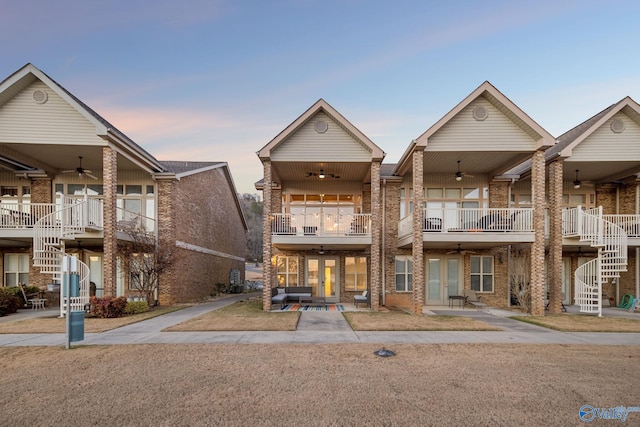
444	278
322	275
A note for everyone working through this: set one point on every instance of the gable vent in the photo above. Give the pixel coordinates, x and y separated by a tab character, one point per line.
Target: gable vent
321	126
40	96
617	126
480	113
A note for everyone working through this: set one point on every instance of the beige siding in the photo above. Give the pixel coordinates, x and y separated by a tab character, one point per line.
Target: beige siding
605	145
333	145
22	120
495	133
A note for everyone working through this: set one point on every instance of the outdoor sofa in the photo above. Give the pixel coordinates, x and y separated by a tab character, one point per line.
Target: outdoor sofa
289	294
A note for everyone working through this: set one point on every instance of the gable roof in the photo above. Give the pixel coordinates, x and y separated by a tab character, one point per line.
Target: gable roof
502	103
321	106
28	74
572	138
531	131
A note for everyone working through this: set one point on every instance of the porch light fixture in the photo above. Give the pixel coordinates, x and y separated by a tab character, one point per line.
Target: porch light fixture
577	183
322	175
321	251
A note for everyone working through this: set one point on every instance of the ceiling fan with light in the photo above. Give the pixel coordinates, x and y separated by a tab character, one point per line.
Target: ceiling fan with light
460	175
81	171
322	175
459	251
578	183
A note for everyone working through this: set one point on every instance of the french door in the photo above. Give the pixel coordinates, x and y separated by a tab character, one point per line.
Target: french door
322	275
443	278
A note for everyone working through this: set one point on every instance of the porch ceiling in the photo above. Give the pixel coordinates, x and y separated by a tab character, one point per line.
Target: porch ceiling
483	162
55	158
297	171
600	172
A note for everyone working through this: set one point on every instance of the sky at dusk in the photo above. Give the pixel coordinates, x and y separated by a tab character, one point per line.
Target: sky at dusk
216	80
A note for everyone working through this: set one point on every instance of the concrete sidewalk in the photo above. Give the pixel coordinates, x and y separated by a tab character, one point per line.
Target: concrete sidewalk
323	328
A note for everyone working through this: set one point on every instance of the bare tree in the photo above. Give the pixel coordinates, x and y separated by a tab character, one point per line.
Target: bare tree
144	259
519	278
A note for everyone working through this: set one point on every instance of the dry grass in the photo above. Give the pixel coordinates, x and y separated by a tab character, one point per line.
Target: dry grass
582	323
315	384
401	321
55	325
240	316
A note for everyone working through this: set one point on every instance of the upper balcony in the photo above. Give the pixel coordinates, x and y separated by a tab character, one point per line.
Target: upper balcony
487	226
17	220
304	231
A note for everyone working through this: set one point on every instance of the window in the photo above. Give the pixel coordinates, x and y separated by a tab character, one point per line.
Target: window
287	271
356	273
16	269
404	274
482	273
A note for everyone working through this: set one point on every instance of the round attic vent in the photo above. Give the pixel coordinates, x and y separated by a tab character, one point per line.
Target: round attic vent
40	96
617	125
480	113
321	126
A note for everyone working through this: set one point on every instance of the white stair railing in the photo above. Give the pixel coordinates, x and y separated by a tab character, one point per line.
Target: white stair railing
611	241
52	230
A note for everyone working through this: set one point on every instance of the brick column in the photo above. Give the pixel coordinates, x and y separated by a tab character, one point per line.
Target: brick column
41	192
266	237
537	247
110	181
376	236
417	246
555	237
165	226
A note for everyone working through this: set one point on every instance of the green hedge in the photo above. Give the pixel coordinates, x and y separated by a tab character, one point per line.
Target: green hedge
136	307
9	303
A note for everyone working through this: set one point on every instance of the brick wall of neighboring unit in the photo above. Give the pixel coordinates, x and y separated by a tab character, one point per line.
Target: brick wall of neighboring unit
205	217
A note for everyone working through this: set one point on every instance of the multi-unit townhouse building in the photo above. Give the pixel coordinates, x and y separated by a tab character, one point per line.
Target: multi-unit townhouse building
72	183
484	200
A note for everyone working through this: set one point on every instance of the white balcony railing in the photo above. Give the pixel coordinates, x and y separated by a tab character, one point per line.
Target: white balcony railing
23	215
629	223
72	212
445	220
321	225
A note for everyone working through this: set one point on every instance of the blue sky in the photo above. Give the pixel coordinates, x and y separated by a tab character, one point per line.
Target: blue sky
218	79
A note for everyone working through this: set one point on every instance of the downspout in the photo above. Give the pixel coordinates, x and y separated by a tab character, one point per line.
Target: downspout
384	228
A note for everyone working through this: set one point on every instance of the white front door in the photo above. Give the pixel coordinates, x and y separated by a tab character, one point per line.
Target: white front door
443	276
322	275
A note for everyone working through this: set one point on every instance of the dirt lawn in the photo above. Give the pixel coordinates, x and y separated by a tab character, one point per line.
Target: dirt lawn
328	385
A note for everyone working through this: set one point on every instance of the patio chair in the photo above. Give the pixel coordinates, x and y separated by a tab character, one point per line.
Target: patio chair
32	300
472	298
364	298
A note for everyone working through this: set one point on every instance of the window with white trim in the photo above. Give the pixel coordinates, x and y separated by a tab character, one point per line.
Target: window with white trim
404	273
482	273
355	273
287	271
16	269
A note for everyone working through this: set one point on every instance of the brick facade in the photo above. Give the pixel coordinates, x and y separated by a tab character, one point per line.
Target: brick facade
554	273
537	247
417	244
110	244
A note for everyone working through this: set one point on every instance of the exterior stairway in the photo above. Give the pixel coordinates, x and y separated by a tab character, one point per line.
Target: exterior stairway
50	233
611	242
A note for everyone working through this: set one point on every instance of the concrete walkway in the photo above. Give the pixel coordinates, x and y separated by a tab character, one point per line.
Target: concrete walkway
326	327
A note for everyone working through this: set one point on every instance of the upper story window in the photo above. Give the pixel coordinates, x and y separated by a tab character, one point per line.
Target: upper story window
314	203
445	198
15	194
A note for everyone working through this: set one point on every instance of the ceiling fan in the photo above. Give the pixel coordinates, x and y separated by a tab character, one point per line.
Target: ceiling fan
577	183
81	171
459	251
460	175
322	175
